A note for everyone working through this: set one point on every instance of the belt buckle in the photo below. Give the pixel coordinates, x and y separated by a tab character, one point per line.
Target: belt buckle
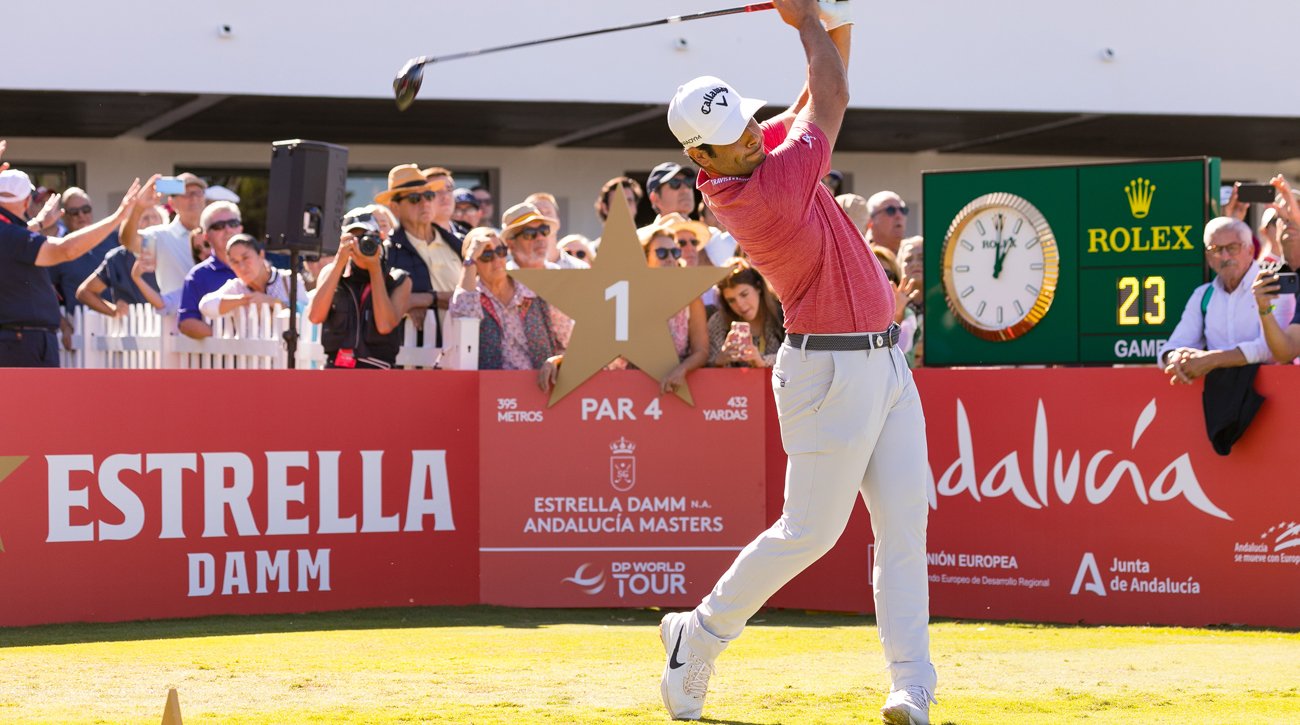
880	340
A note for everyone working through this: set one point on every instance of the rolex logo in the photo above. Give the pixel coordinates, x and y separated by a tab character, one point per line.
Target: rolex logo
1139	192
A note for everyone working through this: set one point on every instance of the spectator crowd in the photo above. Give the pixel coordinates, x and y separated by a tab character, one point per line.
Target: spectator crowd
424	244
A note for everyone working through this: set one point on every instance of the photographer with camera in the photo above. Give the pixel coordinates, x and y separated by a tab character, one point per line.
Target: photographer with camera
256	282
359	300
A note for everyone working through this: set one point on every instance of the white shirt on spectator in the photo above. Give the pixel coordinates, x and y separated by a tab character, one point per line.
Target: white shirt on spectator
1231	320
277	287
171	245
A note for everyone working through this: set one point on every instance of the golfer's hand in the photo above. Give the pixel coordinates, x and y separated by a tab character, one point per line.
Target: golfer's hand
796	13
834	14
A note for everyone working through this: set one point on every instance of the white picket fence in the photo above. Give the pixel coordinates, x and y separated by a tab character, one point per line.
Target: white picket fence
251	338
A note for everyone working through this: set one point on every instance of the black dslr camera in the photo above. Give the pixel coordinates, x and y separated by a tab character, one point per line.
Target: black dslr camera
368	244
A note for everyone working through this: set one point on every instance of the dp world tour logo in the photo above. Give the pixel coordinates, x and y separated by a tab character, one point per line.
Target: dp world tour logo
589	583
622	465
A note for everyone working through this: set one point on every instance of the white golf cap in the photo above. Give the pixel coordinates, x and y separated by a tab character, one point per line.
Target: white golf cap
708	110
15	185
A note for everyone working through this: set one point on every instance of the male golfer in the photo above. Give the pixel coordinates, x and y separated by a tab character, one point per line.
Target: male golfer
850	416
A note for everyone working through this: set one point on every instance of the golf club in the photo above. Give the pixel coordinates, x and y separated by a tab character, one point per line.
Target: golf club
407	83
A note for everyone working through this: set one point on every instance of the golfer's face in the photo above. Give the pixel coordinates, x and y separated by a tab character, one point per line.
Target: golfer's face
743	156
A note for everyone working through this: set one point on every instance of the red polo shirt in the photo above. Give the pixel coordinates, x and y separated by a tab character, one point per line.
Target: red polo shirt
799	238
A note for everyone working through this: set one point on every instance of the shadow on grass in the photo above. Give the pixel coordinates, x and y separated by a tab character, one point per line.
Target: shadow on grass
421	618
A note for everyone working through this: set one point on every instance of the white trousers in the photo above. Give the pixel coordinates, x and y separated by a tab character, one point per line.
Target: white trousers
851	422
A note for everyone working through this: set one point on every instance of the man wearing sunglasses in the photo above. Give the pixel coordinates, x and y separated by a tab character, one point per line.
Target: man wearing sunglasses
77	214
850	415
524	229
426	246
671	190
220	221
886	220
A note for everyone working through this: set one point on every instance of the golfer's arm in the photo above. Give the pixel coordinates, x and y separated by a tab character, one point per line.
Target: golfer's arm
828	84
841	38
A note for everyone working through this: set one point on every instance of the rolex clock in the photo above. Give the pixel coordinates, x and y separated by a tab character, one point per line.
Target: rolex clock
1087	264
1000	266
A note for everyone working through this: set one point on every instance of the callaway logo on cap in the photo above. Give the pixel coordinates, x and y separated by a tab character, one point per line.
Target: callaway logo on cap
708	110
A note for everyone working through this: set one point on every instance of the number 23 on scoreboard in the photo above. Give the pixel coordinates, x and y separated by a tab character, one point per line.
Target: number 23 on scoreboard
1140	300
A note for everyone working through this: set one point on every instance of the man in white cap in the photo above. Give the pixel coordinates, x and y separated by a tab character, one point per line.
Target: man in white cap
29	309
850	416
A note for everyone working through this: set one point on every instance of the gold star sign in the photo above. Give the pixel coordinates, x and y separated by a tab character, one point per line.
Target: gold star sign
620	306
8	464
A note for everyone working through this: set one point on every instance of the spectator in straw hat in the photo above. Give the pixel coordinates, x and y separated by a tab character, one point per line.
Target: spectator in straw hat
856	207
524	229
425	246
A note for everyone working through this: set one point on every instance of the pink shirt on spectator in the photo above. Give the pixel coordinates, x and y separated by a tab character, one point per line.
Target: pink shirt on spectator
798	238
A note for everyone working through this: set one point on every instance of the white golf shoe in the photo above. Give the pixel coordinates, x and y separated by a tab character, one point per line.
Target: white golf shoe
908	706
686	673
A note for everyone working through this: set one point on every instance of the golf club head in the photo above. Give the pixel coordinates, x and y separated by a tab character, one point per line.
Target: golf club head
407	83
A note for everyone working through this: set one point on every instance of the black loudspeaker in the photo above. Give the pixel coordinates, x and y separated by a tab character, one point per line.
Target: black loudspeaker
307	197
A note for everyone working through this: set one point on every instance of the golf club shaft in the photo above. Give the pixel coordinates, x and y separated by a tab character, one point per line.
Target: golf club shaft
425	60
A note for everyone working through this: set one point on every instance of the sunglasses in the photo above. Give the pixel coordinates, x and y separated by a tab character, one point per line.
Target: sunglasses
76	210
579	253
663	254
674	183
530	233
491	253
693	242
892	210
225	223
417	196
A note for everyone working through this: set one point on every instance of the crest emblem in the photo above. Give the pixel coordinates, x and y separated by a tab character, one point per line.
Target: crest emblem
622	464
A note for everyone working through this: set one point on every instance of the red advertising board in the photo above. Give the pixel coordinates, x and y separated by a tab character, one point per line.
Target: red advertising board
1092	495
135	495
617	496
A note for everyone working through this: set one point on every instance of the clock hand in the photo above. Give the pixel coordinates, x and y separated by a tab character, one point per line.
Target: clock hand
997	248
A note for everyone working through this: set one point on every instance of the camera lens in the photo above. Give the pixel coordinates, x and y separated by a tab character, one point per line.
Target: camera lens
368	244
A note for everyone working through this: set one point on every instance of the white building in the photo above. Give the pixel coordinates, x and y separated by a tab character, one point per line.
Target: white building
100	94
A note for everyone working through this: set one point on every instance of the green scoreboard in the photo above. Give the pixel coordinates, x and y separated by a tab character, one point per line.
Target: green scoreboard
1087	264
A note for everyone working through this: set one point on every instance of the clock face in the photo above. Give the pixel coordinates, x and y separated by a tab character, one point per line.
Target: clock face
1000	266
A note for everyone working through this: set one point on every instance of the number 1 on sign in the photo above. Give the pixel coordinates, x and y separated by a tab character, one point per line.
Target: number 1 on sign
618	292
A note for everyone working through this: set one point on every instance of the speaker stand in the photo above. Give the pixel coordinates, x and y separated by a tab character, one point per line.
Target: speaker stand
291	334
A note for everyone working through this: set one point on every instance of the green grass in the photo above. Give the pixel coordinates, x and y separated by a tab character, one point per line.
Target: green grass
484	666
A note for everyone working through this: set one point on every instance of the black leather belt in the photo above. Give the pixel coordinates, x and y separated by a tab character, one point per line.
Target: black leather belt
864	341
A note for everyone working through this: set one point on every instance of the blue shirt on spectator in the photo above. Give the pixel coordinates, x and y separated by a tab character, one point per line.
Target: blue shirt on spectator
68	276
27	298
115	273
206	276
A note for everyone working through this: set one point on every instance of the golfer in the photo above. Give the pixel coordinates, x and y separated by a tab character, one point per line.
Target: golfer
850	415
